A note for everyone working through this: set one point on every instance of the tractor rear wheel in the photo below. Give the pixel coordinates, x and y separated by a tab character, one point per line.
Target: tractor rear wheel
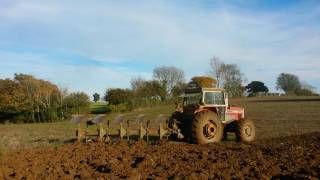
246	131
206	128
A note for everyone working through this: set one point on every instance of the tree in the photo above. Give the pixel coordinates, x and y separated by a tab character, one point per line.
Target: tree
42	97
30	86
289	83
204	81
137	83
26	98
306	90
153	90
228	76
169	77
145	89
96	97
232	79
77	102
146	92
12	99
178	89
62	107
255	87
117	95
216	70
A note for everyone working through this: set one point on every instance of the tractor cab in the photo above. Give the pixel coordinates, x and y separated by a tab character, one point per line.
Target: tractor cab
197	99
196	95
210	97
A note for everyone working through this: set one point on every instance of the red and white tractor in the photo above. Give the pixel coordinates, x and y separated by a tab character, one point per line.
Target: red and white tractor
205	116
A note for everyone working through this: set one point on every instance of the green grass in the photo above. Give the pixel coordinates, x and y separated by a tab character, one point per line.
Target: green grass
98	107
15	136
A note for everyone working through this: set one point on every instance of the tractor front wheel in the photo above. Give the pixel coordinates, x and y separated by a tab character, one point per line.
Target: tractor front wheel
246	131
206	128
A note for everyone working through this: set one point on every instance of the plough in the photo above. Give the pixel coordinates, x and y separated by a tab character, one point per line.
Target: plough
125	128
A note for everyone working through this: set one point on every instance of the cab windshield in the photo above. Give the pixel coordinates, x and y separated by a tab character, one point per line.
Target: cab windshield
215	98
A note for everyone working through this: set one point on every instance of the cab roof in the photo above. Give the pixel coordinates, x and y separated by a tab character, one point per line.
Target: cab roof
199	89
213	89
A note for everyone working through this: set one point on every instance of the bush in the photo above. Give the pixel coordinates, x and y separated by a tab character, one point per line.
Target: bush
123	107
51	115
304	92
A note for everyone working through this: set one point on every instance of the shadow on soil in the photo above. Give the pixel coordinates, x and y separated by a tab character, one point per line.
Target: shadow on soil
55	141
113	139
152	139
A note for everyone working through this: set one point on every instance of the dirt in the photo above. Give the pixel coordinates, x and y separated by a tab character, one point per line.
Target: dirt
292	157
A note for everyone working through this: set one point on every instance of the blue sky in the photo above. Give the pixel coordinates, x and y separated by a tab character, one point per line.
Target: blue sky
93	45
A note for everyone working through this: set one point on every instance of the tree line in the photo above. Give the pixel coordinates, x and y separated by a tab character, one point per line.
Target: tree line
168	84
28	99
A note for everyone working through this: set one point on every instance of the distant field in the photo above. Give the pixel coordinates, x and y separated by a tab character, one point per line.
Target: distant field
98	107
273	117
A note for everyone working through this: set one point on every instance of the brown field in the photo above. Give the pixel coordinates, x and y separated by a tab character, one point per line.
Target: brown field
288	143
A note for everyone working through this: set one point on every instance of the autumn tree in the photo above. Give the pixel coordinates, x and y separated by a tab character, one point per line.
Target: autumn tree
204	81
28	99
12	100
41	97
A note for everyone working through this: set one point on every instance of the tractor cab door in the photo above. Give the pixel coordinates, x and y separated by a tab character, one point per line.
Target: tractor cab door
191	102
217	100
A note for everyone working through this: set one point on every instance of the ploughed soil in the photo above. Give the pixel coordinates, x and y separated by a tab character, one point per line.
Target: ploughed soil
293	157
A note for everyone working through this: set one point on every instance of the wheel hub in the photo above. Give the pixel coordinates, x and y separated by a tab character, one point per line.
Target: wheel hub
247	130
209	130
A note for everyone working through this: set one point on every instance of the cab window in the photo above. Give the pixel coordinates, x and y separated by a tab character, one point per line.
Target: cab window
192	99
216	98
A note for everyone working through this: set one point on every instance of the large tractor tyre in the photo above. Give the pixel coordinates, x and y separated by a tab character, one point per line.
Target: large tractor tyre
206	128
246	131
